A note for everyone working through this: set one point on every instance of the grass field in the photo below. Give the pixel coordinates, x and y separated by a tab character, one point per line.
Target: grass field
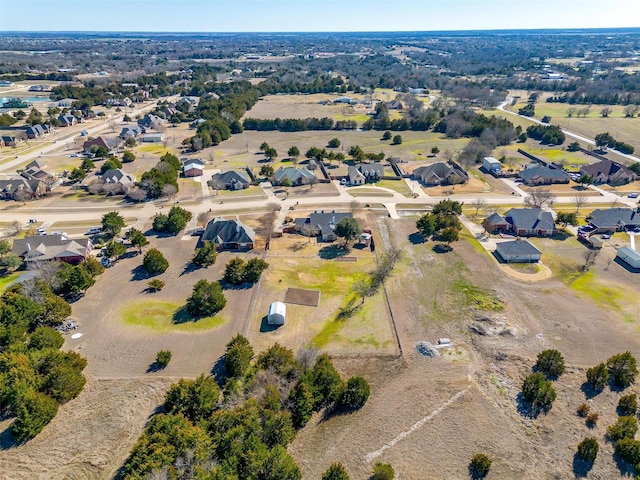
6	280
397	185
164	316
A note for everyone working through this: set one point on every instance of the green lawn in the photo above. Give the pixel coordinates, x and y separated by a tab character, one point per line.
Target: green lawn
8	279
397	185
166	316
368	191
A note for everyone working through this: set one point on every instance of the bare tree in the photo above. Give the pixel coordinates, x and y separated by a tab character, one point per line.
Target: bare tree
363	289
203	218
571	111
479	203
579	199
137	194
539	198
307	356
22	195
355	207
308	231
15	228
631	110
169	190
590	257
312	181
604	113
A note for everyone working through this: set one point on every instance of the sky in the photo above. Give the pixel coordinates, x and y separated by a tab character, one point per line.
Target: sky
313	15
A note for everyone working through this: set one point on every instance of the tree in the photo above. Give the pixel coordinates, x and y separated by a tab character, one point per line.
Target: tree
137	238
585	179
629	450
435	151
336	472
266	170
551	363
625	427
539	198
579	199
326	382
588	449
355	394
480	464
573	147
566	218
253	269
604	139
333	143
598	376
628	404
449	235
128	157
112	223
10	261
163	357
154	262
293	151
383	471
538	391
397	140
195	399
348	228
205	256
34	413
45	337
206	299
622	369
386	135
238	356
155	285
234	271
426	224
301	404
114	250
77	174
78	280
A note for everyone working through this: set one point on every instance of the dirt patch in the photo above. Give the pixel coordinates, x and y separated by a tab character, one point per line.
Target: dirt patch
300	296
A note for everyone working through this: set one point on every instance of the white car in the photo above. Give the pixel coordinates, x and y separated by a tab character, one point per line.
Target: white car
42	231
93	231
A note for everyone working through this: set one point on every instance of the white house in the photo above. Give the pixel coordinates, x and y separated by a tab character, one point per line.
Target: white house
491	164
629	256
277	313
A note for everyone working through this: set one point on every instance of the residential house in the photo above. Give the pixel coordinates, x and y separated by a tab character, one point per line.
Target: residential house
629	256
297	176
355	176
34	131
133	131
20	188
153	137
119	177
108	143
35	171
10	140
65	102
117	102
372	172
518	251
491	164
231	180
38	248
229	234
323	224
440	173
67	120
611	220
543	175
609	172
524	222
193	167
150	121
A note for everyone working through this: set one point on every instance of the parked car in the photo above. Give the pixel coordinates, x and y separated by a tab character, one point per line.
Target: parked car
42	231
93	231
197	231
633	195
605	236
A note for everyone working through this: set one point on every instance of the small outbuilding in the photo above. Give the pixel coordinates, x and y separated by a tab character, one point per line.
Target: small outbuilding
629	256
277	313
518	251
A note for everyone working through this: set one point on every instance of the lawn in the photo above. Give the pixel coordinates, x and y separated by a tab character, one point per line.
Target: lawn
163	316
368	192
8	279
396	185
156	149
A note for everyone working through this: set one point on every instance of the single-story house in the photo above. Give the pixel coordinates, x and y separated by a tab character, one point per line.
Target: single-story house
611	220
150	121
297	176
518	251
229	234
355	176
543	175
153	137
609	172
629	256
133	131
67	120
193	167
524	222
52	247
108	143
323	224
491	164
440	173
20	188
35	131
231	180
118	176
10	140
372	171
277	313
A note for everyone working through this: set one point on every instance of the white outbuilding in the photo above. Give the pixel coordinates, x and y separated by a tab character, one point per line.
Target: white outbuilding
629	256
277	313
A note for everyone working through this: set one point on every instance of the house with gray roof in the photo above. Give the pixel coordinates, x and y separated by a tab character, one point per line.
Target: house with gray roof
133	131
517	251
440	173
67	120
231	180
355	176
524	222
108	143
609	172
543	175
20	188
35	131
193	167
322	224
297	176
229	234
118	176
611	220
150	121
38	248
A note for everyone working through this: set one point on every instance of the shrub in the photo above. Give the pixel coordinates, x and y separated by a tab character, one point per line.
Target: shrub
155	285
588	449
336	472
253	269
538	391
163	357
154	262
238	356
205	256
383	471
206	299
35	412
356	393
625	427
592	419
622	369
128	157
583	410
397	140
551	363
598	376
481	464
301	404
629	450
234	271
628	404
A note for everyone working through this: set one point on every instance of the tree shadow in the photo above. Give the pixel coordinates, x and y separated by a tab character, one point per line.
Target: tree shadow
416	238
581	468
182	315
266	327
139	274
154	367
189	267
475	475
528	410
589	391
230	286
562	235
331	252
626	470
442	248
7	441
219	370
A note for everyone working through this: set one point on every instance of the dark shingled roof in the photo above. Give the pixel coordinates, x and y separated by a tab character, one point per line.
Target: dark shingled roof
530	219
222	231
516	247
614	218
544	172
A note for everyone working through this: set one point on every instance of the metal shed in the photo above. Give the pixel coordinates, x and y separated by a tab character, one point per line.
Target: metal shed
277	313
